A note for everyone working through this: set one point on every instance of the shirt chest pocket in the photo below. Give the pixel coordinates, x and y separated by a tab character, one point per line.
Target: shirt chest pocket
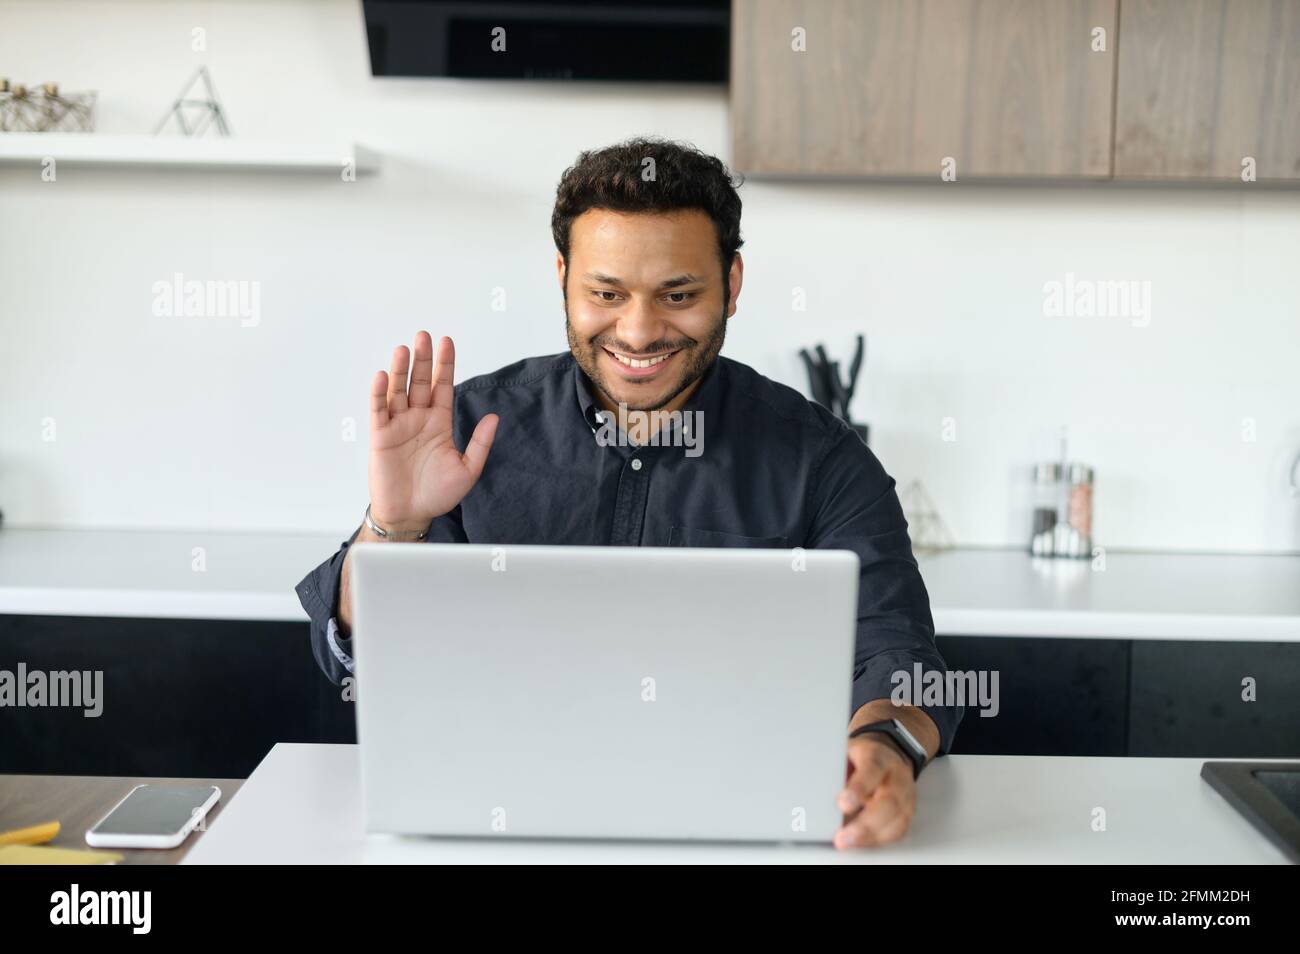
690	537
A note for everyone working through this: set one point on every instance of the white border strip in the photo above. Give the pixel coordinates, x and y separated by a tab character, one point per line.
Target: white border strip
1087	624
152	604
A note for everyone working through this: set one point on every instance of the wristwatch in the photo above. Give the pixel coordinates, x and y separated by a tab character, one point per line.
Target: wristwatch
913	749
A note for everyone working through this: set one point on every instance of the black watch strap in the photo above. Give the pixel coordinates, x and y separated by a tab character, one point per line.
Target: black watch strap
904	739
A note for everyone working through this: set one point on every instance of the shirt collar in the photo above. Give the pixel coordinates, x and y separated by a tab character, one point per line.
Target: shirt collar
586	400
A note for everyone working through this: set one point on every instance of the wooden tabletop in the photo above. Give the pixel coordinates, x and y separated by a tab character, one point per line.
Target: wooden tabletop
78	801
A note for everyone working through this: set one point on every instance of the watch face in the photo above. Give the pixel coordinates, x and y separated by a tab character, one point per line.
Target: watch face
910	739
898	734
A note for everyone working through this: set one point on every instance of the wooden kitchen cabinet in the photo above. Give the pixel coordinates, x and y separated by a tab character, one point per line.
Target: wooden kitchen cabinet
1203	84
1005	88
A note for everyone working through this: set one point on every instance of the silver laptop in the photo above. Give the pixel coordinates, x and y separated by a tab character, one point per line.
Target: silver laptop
603	692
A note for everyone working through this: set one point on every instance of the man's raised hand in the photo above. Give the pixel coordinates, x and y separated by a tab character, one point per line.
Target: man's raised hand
416	473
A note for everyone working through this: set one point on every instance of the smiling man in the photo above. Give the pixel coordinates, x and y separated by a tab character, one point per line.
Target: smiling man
647	234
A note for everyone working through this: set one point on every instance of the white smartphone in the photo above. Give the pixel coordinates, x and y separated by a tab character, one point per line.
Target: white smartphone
154	816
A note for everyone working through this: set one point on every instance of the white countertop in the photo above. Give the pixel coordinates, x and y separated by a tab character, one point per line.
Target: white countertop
988	592
153	574
984	592
302	805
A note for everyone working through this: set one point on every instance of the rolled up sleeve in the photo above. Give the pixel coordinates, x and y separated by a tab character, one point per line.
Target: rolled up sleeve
856	507
318	592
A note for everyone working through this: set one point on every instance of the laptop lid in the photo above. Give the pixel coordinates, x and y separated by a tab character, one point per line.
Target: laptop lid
604	692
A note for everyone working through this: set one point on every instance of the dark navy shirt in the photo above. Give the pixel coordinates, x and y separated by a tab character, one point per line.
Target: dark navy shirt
749	463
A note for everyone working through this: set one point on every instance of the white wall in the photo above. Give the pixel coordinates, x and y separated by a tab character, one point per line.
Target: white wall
202	423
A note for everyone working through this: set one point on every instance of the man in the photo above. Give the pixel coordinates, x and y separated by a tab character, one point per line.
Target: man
707	452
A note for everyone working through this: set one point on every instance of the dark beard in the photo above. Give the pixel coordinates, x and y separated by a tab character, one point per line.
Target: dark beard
699	356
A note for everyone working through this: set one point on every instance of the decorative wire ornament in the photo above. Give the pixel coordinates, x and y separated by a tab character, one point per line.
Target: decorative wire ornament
45	109
928	531
209	111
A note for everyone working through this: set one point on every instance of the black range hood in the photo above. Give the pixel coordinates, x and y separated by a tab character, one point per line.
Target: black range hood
632	40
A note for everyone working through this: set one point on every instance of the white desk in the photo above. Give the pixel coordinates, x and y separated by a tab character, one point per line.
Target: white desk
303	806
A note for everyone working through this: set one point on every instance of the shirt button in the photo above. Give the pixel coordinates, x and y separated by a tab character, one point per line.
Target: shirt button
636	463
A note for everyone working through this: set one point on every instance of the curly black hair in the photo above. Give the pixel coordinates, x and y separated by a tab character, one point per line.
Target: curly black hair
620	178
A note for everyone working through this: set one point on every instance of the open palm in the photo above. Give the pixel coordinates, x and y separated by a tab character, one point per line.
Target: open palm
416	473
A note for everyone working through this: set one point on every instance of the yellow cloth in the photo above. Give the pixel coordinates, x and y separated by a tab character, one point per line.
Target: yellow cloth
45	855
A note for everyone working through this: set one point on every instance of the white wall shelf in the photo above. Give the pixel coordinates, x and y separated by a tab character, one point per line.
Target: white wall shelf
178	152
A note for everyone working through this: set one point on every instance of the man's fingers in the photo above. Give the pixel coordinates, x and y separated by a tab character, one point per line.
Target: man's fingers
378	400
444	375
862	832
422	371
878	800
397	379
885	817
864	781
480	442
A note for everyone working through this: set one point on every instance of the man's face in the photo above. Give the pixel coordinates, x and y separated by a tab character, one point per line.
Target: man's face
643	302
